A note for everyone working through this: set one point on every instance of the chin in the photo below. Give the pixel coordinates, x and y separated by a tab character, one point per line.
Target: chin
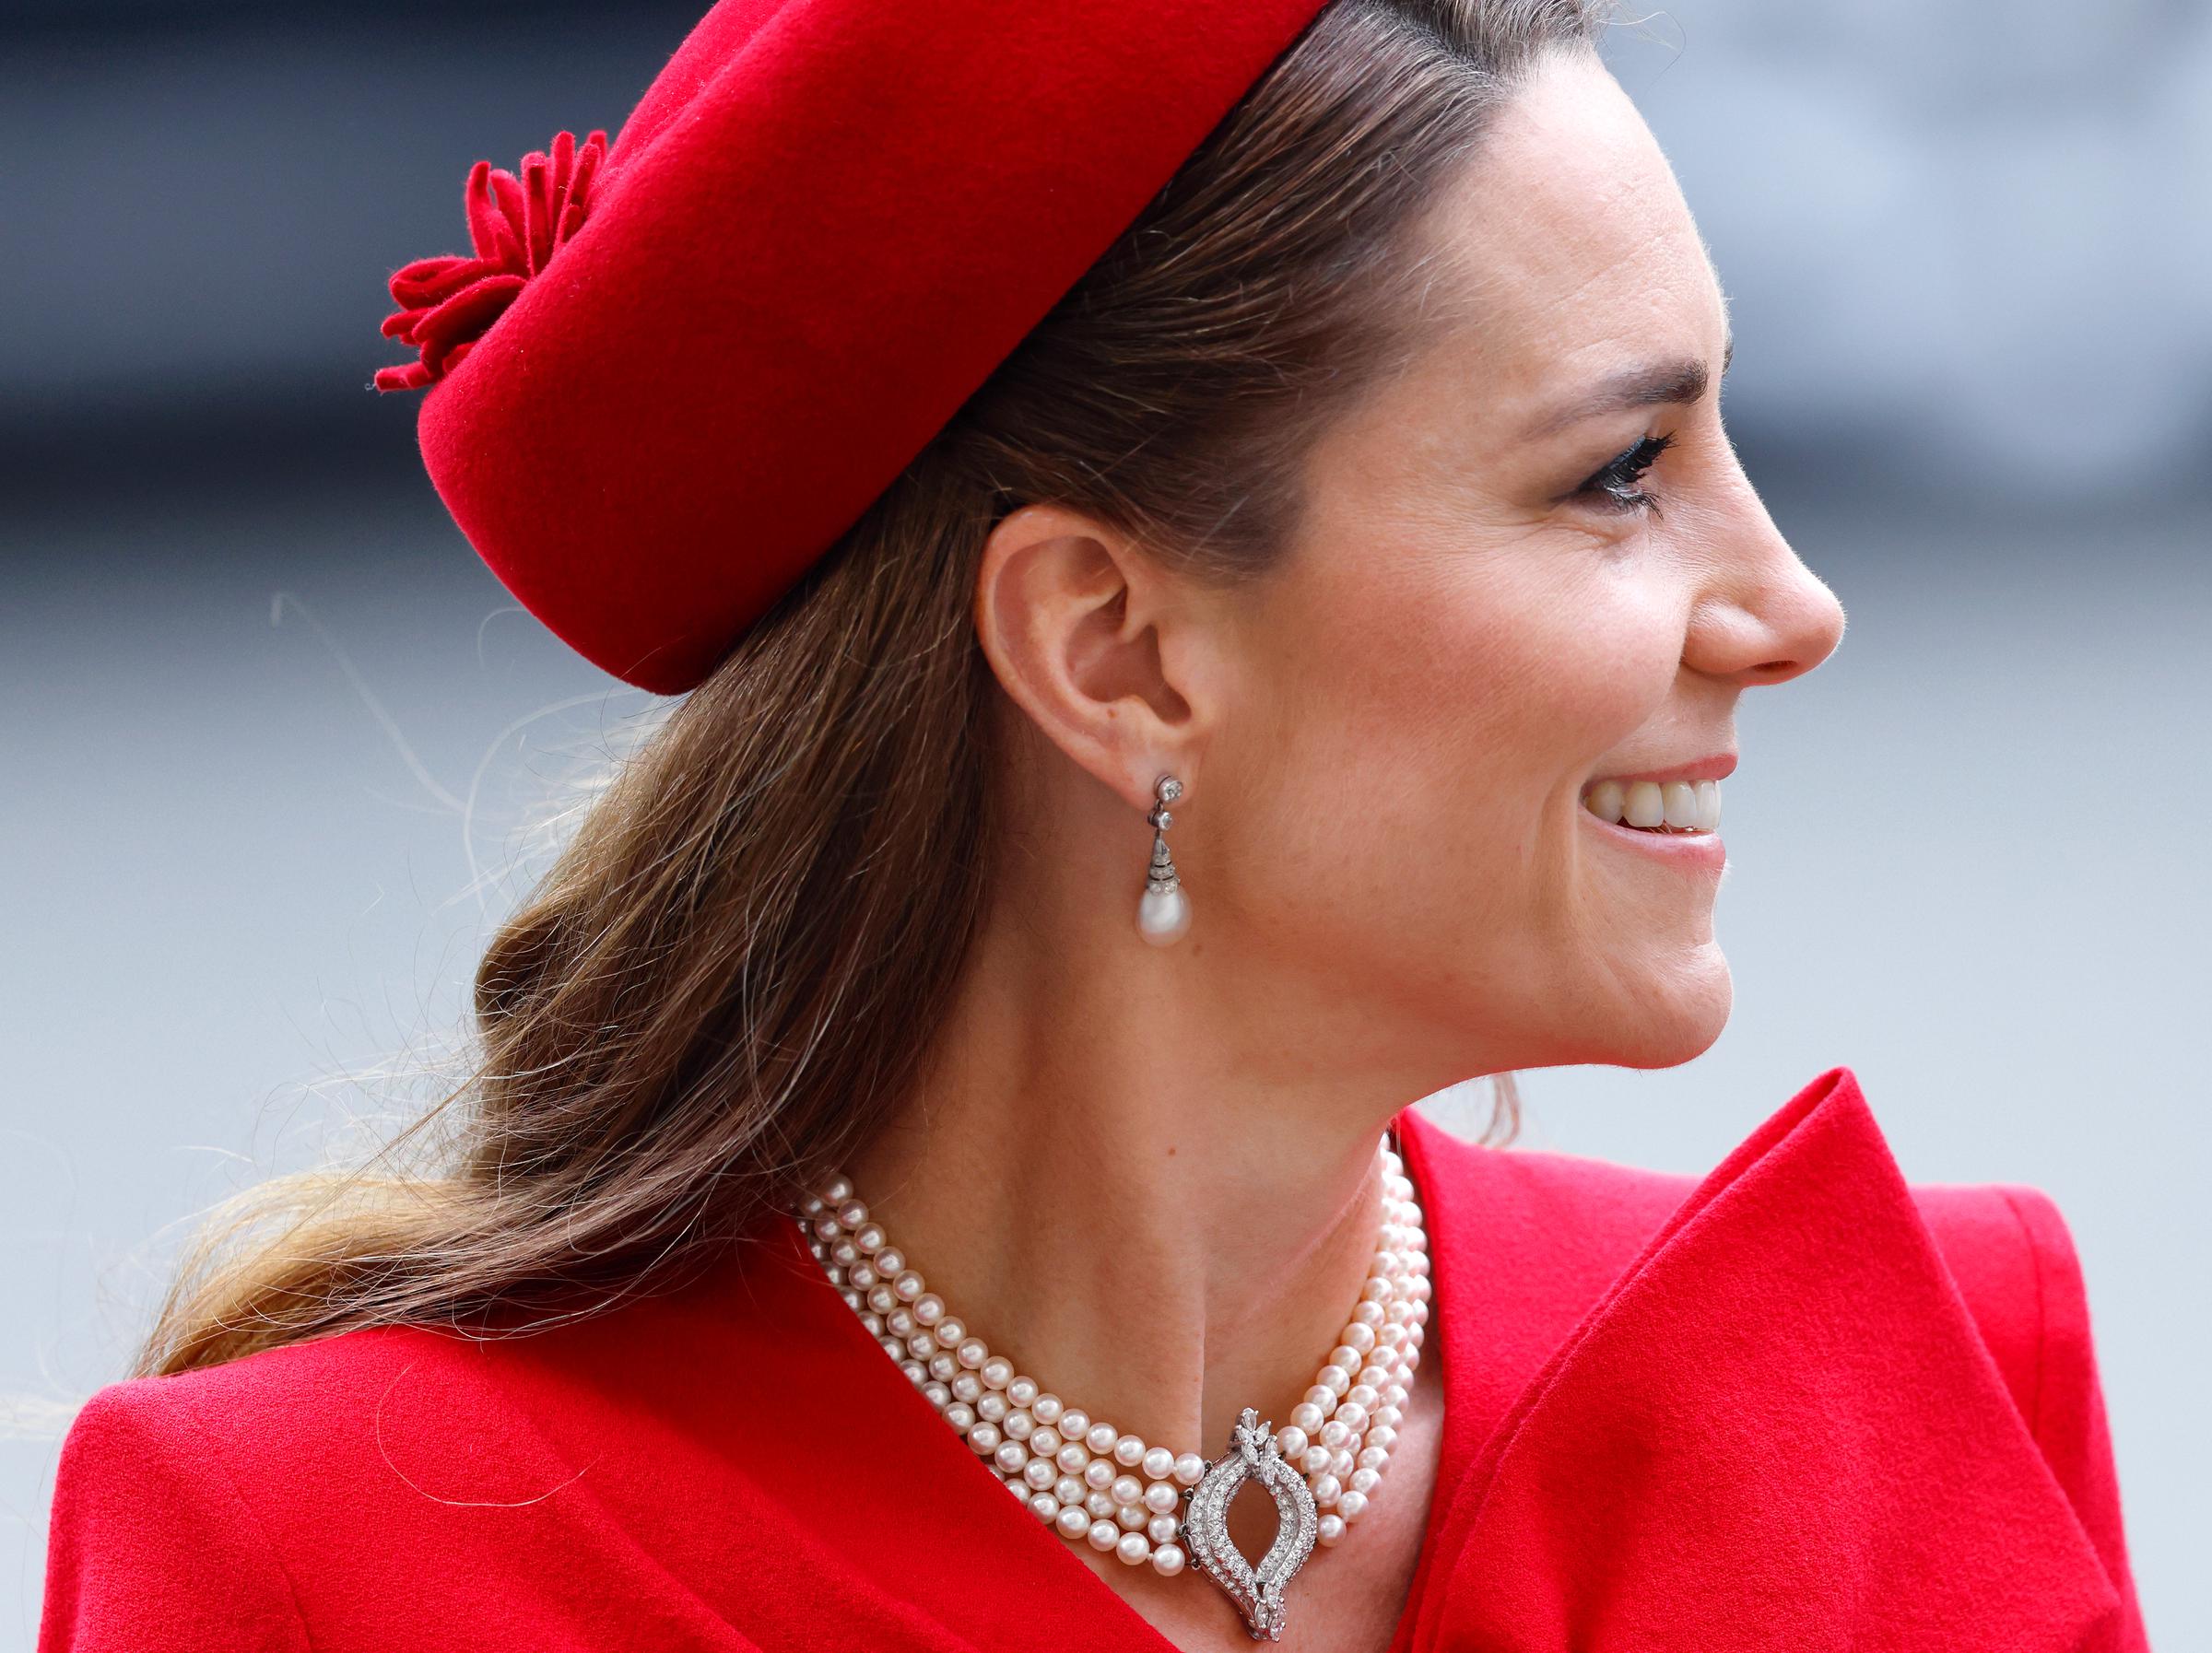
1664	1018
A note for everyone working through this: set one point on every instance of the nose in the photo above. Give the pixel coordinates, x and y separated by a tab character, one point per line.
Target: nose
1763	616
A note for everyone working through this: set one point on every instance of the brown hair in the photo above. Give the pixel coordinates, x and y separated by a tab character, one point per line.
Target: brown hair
731	974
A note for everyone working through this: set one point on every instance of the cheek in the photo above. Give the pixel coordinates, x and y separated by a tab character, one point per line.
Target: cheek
1429	717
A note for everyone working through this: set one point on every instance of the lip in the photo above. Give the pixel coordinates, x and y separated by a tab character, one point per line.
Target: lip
1702	850
1719	766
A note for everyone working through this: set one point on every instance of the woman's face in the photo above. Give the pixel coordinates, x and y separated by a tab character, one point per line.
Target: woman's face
1496	609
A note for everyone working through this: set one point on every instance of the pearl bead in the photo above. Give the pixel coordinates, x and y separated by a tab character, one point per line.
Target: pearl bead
1163	917
1079	1473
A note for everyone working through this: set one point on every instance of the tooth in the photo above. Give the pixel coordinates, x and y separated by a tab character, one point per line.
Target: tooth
1643	806
1605	800
1680	799
1709	806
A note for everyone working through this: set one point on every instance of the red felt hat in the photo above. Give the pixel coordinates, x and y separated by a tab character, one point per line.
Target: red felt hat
674	370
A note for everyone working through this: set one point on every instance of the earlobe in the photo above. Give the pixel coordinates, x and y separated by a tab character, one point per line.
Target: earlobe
1067	613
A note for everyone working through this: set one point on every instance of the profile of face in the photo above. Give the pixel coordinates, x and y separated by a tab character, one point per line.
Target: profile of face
1531	584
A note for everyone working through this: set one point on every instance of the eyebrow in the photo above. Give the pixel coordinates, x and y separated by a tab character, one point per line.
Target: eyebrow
1643	386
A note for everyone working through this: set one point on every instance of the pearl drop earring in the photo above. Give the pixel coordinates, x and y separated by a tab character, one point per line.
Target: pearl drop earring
1163	913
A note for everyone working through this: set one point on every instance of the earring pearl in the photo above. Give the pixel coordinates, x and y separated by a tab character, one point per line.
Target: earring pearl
1164	911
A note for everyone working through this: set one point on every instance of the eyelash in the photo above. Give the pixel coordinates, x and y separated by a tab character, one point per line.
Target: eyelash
1614	487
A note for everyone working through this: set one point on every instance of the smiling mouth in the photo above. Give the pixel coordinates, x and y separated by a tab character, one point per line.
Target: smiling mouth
1685	808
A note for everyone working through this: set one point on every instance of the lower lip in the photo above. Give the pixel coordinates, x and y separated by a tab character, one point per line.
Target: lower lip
1699	851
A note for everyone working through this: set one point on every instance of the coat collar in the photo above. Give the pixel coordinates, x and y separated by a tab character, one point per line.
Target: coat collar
1778	1429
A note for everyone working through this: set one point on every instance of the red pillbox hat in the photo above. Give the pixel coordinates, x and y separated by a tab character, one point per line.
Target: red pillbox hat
675	369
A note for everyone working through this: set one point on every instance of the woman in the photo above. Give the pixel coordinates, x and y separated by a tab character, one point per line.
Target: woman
1214	592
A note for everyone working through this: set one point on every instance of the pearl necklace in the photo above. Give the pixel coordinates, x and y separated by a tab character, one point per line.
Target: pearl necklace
1096	1484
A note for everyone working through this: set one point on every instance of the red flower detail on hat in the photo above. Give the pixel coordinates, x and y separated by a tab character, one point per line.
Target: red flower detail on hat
516	225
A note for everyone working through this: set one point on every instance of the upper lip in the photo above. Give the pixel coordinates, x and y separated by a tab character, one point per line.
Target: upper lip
1719	766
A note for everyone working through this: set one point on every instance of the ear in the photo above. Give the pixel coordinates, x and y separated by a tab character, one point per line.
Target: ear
1100	644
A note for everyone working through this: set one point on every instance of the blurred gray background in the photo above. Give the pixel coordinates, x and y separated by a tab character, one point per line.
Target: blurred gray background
272	738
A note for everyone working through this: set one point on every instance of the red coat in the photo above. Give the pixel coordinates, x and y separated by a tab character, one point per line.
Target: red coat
1795	1407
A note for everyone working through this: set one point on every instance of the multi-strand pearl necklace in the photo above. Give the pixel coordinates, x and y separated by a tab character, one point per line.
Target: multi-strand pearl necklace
1096	1483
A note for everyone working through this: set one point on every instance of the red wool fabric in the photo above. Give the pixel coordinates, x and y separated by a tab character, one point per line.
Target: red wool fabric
1795	1407
821	228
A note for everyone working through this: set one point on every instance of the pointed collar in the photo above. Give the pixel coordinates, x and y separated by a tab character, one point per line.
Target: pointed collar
1777	1430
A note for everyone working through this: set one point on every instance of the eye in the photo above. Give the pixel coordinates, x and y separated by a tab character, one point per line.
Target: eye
1614	487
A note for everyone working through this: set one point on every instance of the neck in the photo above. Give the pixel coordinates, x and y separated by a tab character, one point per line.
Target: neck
1113	1178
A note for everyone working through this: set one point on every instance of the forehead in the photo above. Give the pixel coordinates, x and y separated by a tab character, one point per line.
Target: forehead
1565	248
